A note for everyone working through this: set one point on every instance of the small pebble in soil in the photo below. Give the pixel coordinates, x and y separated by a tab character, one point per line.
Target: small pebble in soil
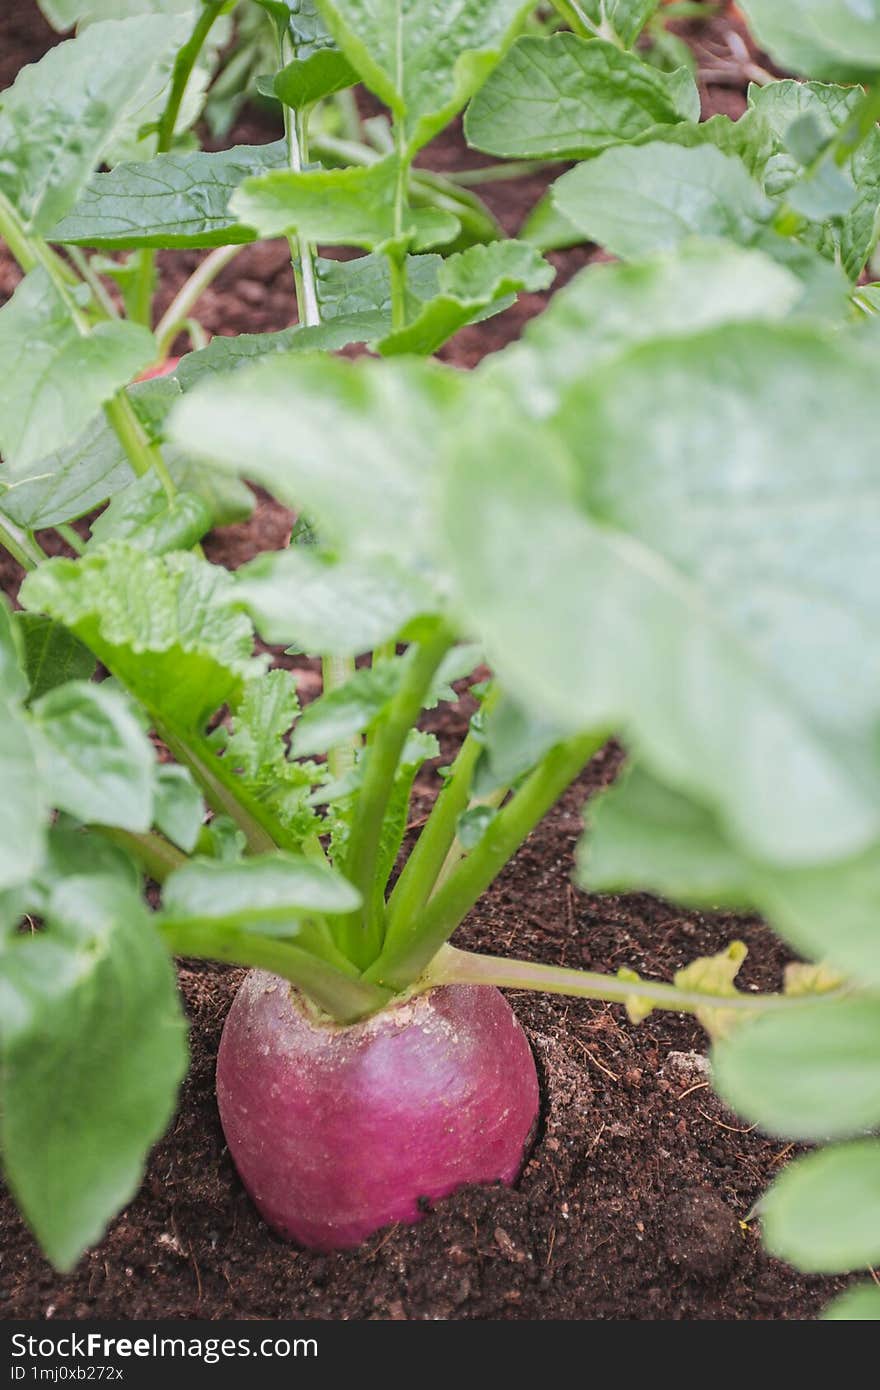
702	1236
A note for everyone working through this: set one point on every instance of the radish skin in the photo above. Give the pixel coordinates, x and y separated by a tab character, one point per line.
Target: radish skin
337	1131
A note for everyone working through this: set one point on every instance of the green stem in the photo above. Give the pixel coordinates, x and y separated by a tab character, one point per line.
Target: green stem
457	850
183	67
397	266
190	292
16	237
499	173
156	855
451	966
413	888
419	940
397	255
141	302
73	539
94	282
363	933
335	671
21	546
142	455
345	998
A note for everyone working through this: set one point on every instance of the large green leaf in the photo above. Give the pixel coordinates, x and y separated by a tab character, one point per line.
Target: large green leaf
93	1046
96	761
639	198
860	1303
179	199
565	97
648	837
811	1073
178	808
423	59
608	308
64	113
823	1212
335	608
836	39
50	391
369	489
469	283
165	626
337	207
721	554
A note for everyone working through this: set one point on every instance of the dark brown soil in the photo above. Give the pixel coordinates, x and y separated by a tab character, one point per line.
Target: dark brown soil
637	1200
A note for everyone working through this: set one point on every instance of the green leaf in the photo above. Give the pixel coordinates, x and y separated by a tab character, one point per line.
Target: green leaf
67	484
363	285
93	1046
783	105
96	761
860	1303
180	199
52	655
823	1212
608	308
267	894
564	97
835	39
142	515
257	752
642	198
14	681
23	807
346	466
165	626
63	14
423	60
73	852
468	283
178	808
713	542
623	18
546	229
350	709
337	207
809	1073
336	608
63	114
647	836
49	394
303	82
223	355
301	22
514	740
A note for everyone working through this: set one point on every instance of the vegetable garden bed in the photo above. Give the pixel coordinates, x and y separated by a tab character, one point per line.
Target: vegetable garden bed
637	1200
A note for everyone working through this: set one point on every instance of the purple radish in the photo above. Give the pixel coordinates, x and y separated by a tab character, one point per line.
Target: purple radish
338	1131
